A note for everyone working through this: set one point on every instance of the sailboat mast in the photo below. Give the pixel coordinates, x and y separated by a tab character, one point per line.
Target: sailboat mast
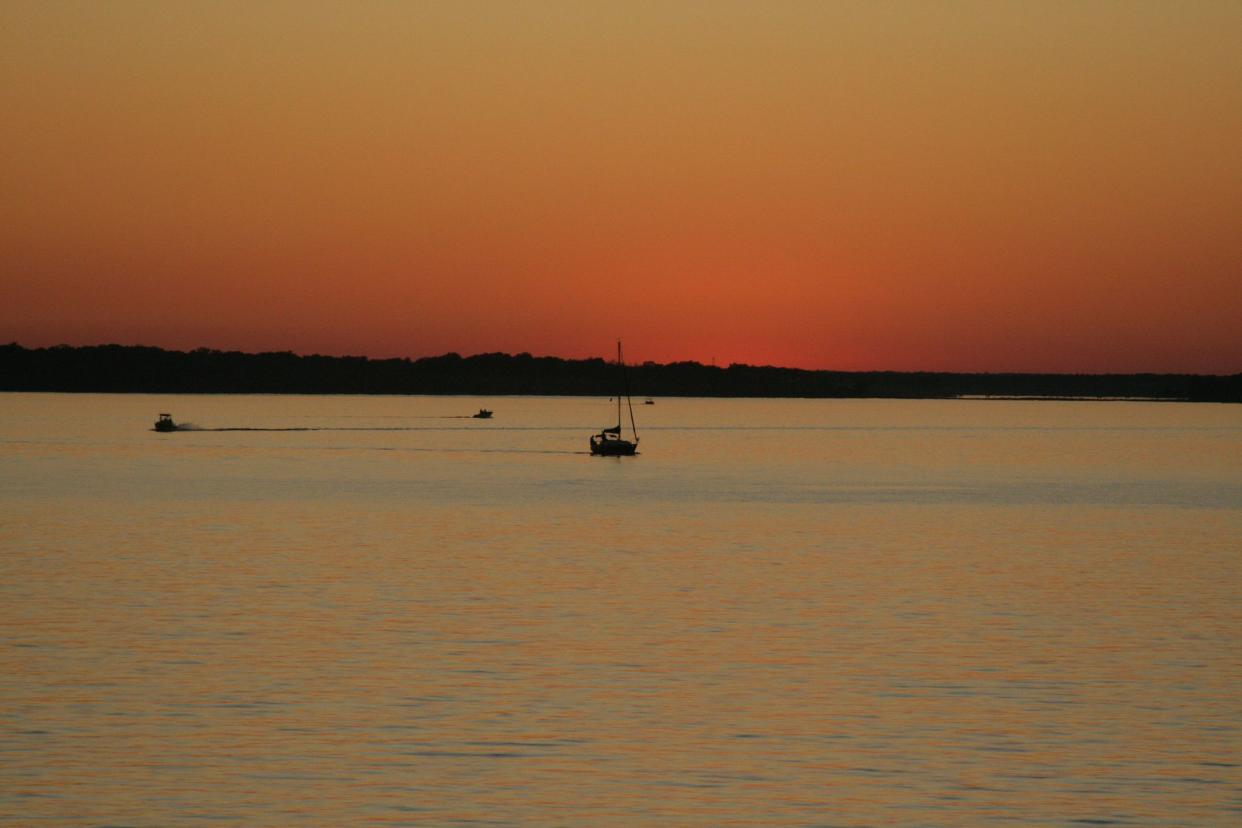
621	368
625	380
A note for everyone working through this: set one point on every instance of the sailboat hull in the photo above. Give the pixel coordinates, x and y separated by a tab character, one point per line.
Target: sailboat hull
612	448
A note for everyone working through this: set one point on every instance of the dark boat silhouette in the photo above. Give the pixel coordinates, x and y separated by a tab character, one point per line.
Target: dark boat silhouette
608	442
165	423
484	414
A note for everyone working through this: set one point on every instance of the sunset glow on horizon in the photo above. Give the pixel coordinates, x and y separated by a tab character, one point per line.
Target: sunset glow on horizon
860	186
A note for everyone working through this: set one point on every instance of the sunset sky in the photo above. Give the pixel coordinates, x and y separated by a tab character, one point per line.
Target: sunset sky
994	186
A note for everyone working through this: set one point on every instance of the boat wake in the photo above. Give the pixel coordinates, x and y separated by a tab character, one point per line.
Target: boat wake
308	428
193	427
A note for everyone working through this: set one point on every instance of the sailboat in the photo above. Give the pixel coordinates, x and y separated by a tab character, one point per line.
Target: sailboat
608	442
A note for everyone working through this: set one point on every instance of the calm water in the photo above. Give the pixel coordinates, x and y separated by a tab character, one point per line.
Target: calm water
782	613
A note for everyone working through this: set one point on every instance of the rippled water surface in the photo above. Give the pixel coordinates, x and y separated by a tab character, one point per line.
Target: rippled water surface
781	613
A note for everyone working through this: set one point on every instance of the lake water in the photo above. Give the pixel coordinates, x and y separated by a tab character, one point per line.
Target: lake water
781	613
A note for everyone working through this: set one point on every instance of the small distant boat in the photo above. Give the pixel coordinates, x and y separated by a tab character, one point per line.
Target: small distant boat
649	401
484	414
608	443
165	423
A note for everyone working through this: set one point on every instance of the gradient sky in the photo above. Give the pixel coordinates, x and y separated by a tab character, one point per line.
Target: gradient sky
918	185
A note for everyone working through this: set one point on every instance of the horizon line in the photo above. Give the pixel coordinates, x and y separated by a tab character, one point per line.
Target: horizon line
713	366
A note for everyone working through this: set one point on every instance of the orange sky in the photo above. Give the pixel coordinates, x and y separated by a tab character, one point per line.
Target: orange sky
942	186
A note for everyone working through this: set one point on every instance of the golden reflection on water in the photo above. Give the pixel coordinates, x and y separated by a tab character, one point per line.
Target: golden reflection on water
780	613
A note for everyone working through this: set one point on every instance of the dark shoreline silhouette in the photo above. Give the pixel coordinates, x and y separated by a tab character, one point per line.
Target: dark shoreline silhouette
143	369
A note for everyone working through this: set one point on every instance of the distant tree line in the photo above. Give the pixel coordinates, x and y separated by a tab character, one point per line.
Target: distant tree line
118	368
